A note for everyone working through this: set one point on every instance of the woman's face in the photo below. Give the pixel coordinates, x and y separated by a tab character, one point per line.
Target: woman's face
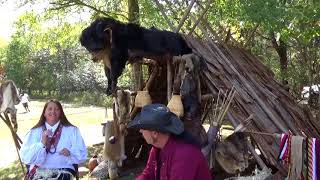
52	113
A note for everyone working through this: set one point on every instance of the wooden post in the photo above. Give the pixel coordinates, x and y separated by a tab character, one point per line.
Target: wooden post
169	79
15	138
133	16
151	77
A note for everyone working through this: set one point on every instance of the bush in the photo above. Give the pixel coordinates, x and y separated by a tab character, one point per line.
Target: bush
80	98
87	98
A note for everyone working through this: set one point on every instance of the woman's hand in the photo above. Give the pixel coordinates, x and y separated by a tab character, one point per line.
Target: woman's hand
45	135
64	152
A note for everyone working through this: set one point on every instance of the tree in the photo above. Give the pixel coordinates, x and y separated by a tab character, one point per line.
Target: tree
133	16
285	39
41	58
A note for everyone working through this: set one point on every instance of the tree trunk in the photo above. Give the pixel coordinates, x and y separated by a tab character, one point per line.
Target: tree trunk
133	16
133	140
281	49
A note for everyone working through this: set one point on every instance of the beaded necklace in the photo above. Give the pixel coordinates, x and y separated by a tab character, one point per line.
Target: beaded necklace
53	141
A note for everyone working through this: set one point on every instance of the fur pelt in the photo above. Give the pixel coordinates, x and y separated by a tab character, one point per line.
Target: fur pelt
114	42
232	153
9	97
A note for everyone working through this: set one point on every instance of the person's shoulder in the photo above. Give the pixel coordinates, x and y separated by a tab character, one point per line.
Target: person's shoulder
185	148
34	130
71	127
188	153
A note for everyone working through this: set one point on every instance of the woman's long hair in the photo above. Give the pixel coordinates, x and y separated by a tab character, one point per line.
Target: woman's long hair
63	119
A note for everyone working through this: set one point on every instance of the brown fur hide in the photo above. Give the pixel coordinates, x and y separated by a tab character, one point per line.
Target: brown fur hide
232	154
5	106
122	109
115	131
14	91
103	56
111	151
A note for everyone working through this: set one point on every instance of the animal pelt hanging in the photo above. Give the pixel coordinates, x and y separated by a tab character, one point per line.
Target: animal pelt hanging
112	151
190	92
114	42
232	153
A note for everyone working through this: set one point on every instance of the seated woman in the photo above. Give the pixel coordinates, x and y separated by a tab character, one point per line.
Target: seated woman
54	147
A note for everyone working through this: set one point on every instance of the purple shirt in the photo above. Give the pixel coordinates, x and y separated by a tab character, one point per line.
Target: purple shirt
179	161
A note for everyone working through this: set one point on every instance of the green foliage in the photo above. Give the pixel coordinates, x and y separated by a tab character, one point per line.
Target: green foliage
294	22
125	79
87	98
47	44
41	58
12	172
16	57
3	43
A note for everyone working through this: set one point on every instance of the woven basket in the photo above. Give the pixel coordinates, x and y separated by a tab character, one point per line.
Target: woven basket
175	105
142	98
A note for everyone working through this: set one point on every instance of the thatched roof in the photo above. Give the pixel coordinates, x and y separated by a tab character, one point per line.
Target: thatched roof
274	110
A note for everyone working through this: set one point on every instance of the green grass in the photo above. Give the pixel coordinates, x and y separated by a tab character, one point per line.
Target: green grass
14	171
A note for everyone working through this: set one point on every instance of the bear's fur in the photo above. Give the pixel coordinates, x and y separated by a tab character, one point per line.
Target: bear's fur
114	42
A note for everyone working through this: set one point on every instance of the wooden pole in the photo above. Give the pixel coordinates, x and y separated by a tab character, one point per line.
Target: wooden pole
151	77
186	13
14	134
200	17
178	75
164	14
216	36
244	81
15	139
169	79
256	156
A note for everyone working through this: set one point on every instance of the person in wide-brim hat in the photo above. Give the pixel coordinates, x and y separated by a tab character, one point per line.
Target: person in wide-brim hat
174	154
157	117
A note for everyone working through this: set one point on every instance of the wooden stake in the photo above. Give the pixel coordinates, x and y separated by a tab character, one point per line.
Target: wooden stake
15	139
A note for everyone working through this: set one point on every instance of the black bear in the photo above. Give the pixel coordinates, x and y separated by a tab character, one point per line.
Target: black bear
114	42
